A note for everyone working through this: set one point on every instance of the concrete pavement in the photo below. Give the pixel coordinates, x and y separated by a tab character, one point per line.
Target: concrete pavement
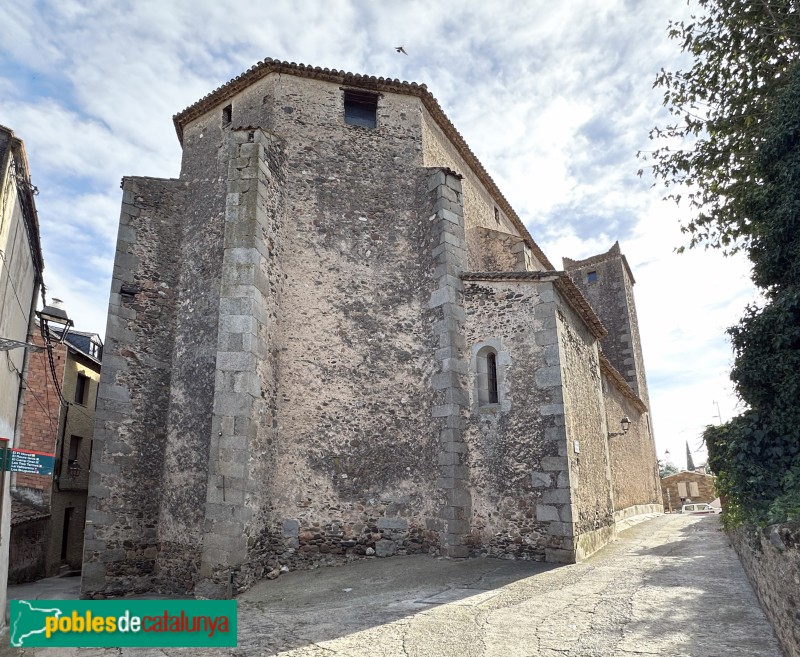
670	586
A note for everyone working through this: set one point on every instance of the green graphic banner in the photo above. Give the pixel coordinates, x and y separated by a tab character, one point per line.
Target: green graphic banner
123	623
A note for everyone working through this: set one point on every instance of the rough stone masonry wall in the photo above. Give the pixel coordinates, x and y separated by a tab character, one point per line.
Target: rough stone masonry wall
771	558
182	513
634	470
27	550
354	445
518	471
592	507
479	206
125	483
498	251
671	494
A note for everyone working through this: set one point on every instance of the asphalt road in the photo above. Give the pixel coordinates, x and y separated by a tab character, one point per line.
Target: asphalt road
670	586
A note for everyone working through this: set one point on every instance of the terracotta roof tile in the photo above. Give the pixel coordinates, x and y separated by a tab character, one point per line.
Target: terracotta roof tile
22	512
621	384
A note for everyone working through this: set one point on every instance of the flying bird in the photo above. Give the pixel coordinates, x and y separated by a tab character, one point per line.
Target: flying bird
401	49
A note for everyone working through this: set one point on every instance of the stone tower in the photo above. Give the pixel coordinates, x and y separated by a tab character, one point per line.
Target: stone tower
607	282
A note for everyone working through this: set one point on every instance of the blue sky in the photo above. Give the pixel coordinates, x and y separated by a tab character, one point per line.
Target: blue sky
554	98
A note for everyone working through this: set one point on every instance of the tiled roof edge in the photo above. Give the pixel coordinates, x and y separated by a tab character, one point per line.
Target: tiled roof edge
509	275
621	384
566	286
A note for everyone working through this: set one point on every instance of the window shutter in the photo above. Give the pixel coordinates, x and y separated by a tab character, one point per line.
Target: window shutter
694	491
682	489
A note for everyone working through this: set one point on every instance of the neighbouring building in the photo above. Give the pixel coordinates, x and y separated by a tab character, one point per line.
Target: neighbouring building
683	487
333	337
48	513
21	267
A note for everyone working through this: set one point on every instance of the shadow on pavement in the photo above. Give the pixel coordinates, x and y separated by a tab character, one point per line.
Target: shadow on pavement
698	597
307	607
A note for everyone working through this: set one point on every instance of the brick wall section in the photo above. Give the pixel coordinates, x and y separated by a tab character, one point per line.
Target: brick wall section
671	495
40	421
447	301
771	559
121	542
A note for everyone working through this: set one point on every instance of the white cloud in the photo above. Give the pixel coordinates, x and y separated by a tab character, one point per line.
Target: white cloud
554	98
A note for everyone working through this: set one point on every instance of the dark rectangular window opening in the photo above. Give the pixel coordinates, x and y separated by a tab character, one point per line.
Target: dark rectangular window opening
74	447
591	277
65	532
491	370
361	108
497	215
227	115
81	389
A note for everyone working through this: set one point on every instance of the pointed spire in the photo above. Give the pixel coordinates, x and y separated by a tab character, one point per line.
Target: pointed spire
689	459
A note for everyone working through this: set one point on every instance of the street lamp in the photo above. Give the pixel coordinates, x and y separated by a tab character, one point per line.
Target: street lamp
625	423
55	315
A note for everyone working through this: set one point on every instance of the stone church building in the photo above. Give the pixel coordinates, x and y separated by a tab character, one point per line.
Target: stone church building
333	337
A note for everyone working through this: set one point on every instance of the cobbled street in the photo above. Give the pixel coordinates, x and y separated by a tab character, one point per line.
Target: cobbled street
670	586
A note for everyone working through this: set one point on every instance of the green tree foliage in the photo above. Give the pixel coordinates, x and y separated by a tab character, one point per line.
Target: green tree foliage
732	149
757	455
689	459
665	469
741	52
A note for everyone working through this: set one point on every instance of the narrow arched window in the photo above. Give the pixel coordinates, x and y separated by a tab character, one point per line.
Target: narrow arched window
491	374
488	383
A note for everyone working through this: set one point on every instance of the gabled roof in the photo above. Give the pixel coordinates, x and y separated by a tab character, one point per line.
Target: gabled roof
81	342
380	84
